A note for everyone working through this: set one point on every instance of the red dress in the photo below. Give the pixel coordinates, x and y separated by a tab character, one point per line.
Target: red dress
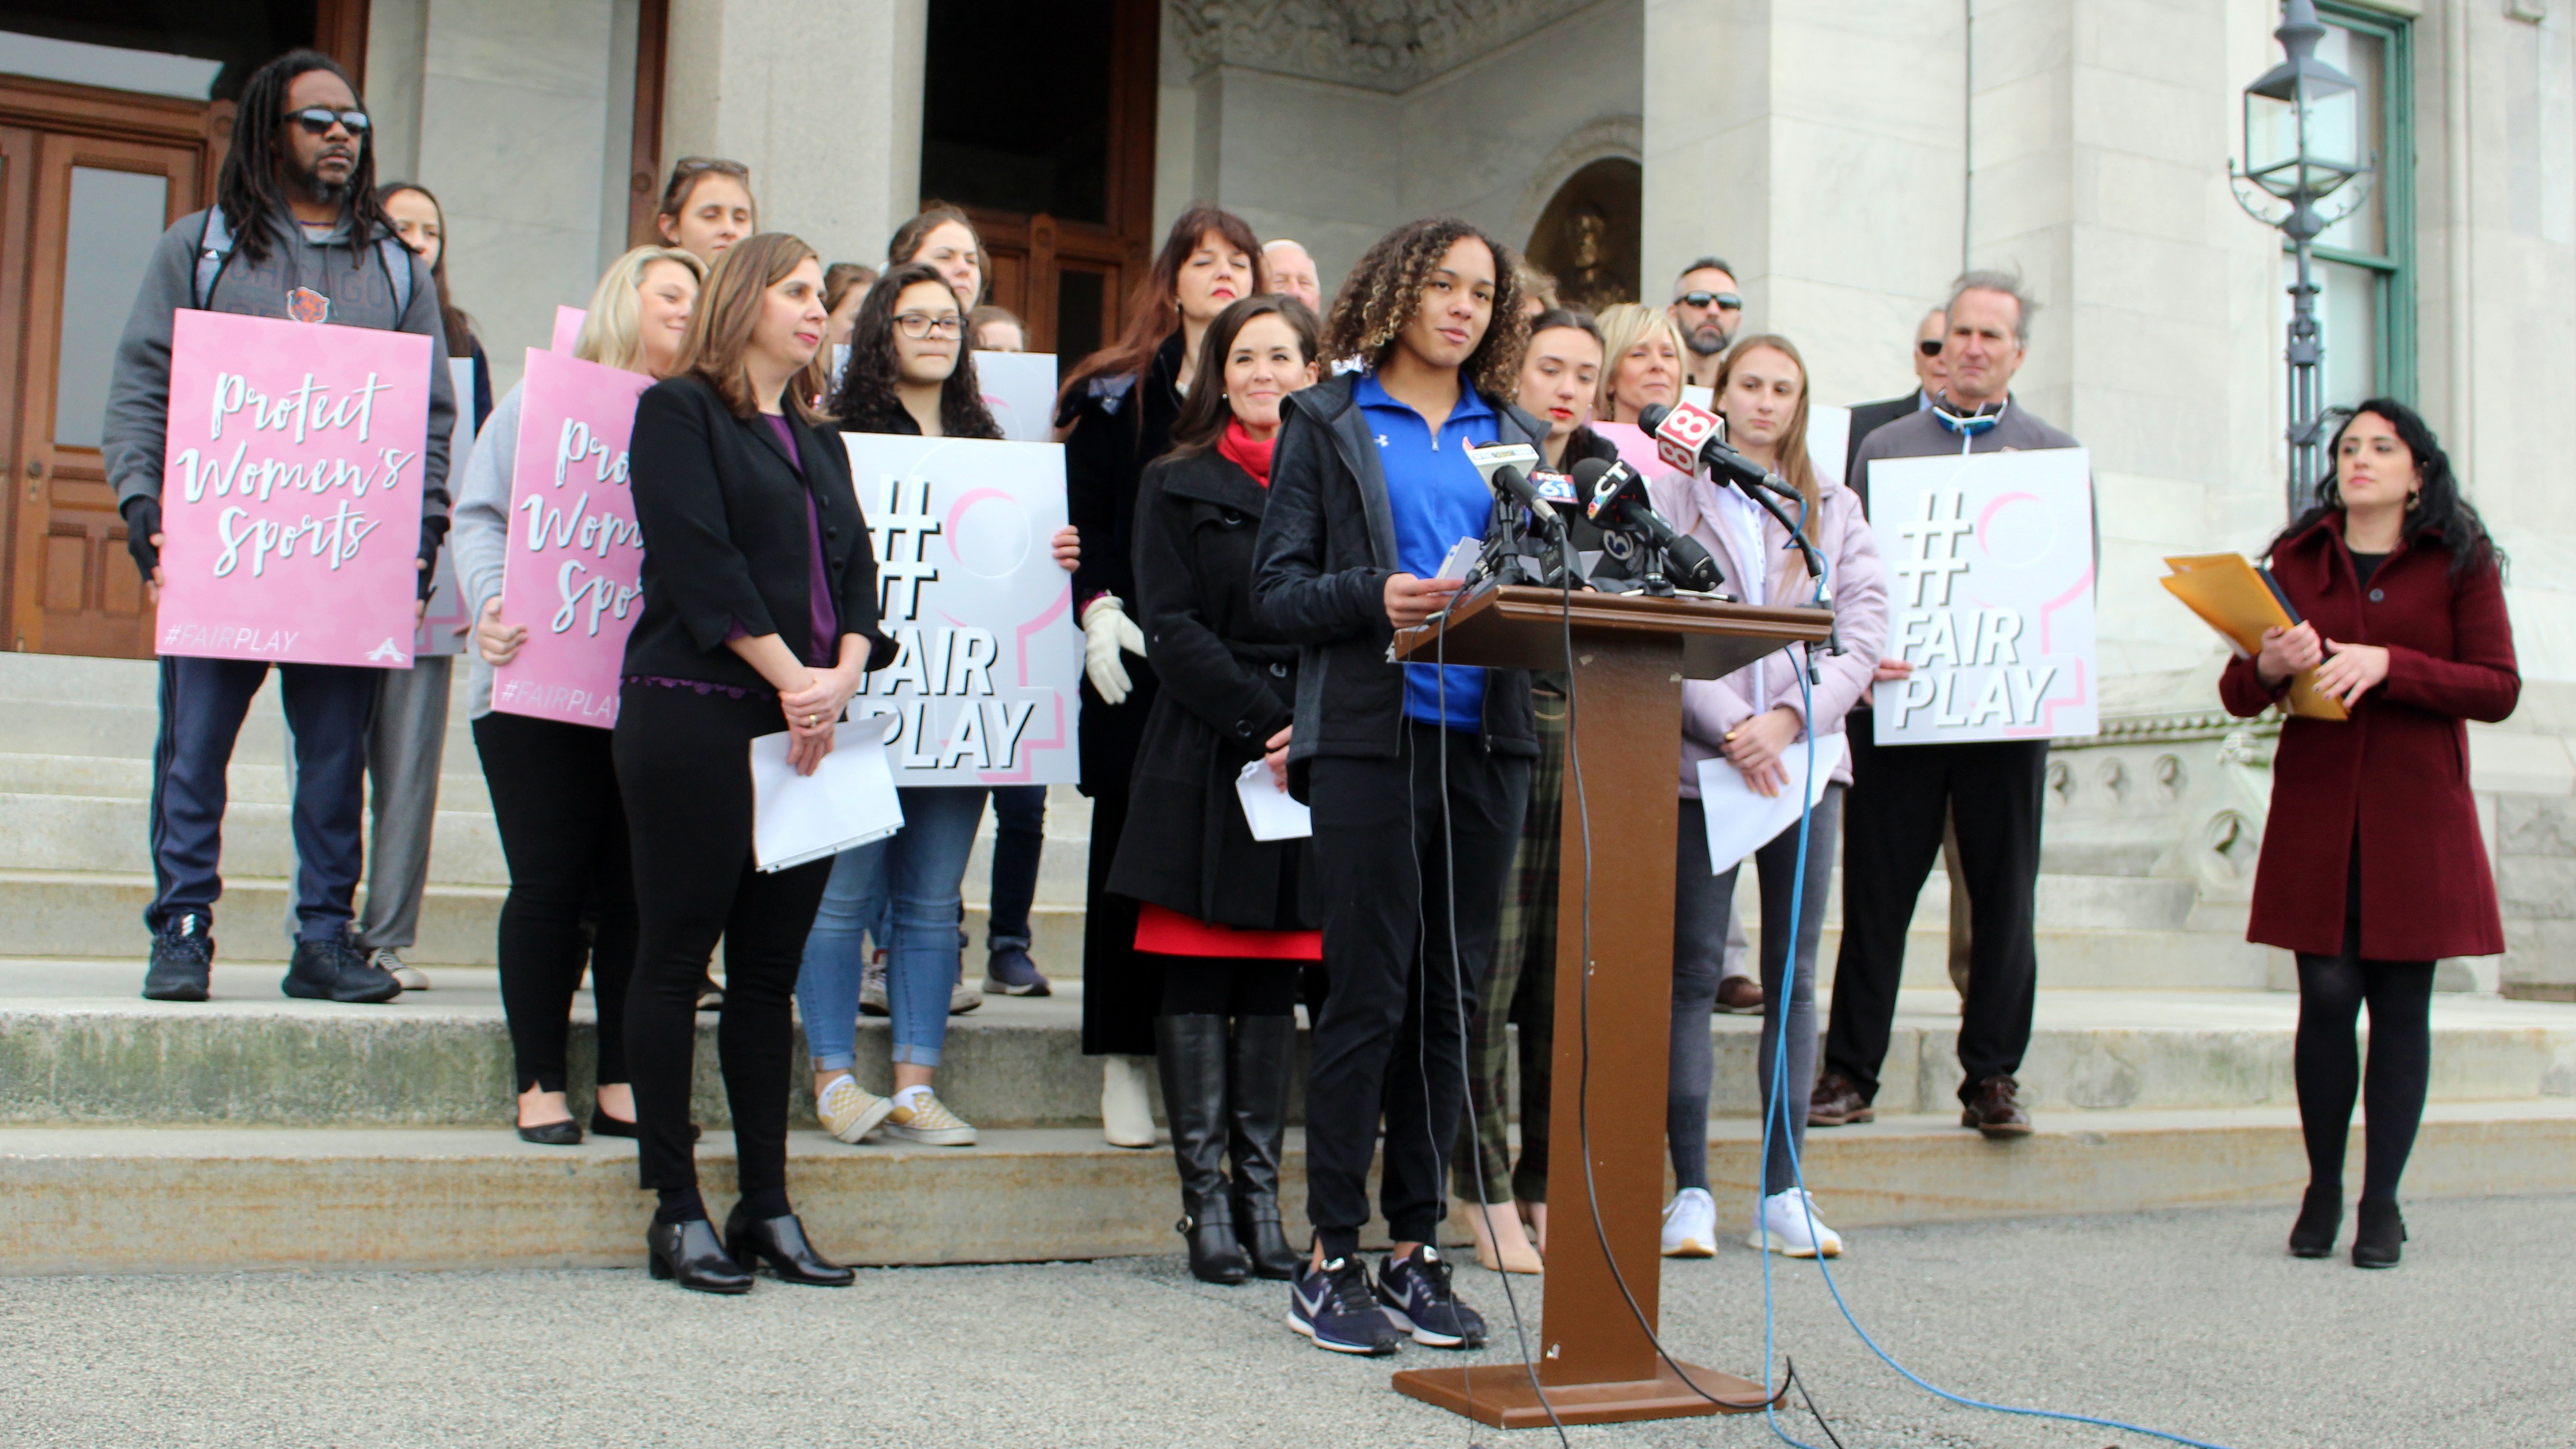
2396	775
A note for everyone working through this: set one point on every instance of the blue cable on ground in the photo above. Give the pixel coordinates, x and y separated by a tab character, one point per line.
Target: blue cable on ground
1774	1116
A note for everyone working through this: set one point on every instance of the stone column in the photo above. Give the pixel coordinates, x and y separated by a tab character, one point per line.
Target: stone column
1820	149
820	98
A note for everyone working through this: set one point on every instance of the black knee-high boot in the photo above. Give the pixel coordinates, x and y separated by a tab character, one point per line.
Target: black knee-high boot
1257	1092
1191	1053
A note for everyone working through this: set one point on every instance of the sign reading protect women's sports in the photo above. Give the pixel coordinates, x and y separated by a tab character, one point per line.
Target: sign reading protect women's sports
575	556
1990	568
291	491
987	662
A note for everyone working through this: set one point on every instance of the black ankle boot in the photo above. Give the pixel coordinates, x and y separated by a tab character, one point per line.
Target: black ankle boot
2375	1242
1256	1089
1191	1053
2320	1216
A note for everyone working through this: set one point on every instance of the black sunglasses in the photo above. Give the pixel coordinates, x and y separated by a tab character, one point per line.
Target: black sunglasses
1928	346
1726	301
318	120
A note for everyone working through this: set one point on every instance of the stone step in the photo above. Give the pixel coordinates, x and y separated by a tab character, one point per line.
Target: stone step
98	1200
78	1047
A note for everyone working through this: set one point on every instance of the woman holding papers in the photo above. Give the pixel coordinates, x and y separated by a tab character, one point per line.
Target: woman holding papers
760	615
553	783
1220	909
1115	415
912	371
1748	735
2373	865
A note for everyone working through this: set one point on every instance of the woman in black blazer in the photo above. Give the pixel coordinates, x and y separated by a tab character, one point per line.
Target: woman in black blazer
1221	909
760	614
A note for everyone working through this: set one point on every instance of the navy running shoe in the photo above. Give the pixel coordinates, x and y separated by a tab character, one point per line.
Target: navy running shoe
1008	971
1335	1308
1414	1292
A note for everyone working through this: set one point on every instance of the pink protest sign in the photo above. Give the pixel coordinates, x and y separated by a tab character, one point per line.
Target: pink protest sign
568	322
291	491
575	551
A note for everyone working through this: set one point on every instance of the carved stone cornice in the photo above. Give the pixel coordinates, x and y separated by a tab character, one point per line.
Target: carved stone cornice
1386	45
2157	729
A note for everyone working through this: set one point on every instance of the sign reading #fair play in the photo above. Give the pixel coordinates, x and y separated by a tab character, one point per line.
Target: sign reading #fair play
291	491
987	659
575	555
1989	564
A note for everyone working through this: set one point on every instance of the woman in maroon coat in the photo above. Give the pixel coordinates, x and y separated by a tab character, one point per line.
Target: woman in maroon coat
2372	864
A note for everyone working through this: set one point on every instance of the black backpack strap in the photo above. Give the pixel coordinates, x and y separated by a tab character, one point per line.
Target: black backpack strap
214	249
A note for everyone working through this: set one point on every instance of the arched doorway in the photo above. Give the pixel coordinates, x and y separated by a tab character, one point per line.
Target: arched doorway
1588	238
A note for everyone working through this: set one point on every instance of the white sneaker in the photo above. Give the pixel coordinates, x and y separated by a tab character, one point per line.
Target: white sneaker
1791	1227
390	961
850	1111
1126	1104
873	1000
963	998
923	1118
1690	1225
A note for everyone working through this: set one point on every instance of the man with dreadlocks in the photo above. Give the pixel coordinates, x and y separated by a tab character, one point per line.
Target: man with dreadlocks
295	232
1417	775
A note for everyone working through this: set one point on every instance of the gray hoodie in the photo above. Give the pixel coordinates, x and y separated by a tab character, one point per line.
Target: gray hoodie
361	293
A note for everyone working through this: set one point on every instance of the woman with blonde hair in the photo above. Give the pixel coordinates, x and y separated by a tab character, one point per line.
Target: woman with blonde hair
1753	720
1641	365
760	616
554	787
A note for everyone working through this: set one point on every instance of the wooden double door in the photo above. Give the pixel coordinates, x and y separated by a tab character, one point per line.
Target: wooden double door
89	180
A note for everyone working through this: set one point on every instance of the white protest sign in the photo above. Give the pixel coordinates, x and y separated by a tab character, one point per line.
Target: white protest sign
1828	439
987	660
1020	389
1990	595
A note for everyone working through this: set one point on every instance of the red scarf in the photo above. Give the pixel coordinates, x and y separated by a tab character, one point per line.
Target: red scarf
1245	451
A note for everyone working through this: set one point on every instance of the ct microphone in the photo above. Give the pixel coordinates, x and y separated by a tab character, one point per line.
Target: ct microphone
1617	495
1506	469
1691	438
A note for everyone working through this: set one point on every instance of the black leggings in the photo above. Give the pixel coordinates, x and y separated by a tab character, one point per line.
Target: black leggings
684	768
2328	1062
563	830
1229	986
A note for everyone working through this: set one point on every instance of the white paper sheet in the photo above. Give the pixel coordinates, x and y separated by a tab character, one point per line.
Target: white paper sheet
1462	557
848	800
1273	813
1741	822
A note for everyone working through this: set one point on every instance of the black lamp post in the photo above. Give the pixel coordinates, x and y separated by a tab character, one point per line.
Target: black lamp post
2302	144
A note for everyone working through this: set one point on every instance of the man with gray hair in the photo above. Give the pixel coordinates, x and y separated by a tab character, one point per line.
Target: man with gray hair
1292	273
1991	789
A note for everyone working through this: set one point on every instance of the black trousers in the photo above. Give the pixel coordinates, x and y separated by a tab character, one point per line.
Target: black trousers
1399	855
572	888
1891	835
684	769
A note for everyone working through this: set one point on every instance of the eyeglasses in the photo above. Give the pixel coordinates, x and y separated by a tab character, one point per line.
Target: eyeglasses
1928	346
917	325
1723	301
318	120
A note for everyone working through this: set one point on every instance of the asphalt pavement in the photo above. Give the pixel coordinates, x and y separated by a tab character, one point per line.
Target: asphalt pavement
2193	1322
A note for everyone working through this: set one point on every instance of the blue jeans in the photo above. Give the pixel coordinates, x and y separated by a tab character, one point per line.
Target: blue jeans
1019	840
911	879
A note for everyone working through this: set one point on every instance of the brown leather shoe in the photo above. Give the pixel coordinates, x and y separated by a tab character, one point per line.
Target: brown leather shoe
1994	1108
1837	1100
1741	995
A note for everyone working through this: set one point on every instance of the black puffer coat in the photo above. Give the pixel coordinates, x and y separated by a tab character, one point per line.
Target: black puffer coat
1229	682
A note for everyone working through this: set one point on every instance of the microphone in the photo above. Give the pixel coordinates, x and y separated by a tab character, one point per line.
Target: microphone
1691	438
1618	500
1506	467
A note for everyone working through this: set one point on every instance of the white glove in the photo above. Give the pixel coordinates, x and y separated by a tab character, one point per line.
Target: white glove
1106	629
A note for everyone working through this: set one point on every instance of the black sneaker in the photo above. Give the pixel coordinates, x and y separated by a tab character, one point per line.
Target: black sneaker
336	970
1335	1308
1414	1292
183	960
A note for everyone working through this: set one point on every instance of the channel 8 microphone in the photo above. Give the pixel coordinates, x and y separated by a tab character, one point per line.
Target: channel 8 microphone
1690	439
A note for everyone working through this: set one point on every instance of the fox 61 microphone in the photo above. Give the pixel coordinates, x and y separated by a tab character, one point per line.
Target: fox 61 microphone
1617	500
1506	469
1690	438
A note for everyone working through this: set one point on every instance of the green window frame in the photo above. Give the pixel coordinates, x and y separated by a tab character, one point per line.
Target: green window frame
2394	369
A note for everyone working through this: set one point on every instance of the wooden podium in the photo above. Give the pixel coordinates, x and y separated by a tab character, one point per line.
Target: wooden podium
1630	656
